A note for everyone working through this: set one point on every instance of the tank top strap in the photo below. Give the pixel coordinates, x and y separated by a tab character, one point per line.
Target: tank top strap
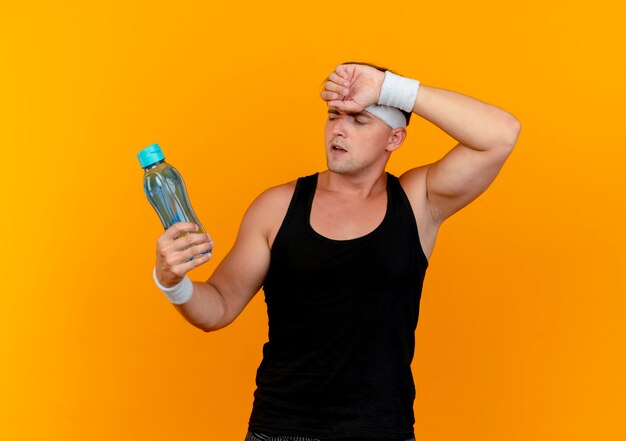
399	200
297	210
403	211
309	185
303	194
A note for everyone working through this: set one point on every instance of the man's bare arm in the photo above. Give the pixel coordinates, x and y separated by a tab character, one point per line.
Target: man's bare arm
218	302
486	135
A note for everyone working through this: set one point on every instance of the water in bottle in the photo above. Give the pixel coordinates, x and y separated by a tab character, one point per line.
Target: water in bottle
165	189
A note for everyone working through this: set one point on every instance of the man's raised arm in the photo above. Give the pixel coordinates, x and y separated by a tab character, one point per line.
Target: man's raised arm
486	136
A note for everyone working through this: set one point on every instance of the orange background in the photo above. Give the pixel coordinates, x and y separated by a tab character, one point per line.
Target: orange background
522	331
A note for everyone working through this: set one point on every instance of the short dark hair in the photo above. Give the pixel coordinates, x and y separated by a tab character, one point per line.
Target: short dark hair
407	115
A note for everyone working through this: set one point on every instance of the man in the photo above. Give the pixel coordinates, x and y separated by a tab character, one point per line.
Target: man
341	256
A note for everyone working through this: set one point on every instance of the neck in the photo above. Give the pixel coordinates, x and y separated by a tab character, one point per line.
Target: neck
362	186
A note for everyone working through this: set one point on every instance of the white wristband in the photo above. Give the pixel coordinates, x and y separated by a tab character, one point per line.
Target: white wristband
399	92
177	294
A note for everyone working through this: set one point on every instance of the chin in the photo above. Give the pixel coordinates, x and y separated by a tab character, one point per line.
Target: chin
340	169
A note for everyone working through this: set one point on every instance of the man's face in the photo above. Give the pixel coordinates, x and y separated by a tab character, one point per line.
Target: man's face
355	141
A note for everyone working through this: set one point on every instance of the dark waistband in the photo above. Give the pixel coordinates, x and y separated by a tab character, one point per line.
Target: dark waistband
255	436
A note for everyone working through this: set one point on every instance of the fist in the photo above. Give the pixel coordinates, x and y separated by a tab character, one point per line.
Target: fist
174	253
353	87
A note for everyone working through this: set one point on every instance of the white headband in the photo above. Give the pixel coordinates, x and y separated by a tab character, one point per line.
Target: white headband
391	116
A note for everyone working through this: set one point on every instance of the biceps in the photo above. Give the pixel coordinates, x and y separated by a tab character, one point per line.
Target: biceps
460	177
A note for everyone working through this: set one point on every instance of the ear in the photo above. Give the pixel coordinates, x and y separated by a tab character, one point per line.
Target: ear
396	138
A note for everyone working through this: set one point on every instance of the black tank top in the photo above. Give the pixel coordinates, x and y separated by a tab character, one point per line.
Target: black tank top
342	319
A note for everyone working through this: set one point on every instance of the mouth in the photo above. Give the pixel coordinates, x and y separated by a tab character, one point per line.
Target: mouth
337	148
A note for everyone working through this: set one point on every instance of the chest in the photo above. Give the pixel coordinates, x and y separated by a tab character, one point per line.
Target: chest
341	218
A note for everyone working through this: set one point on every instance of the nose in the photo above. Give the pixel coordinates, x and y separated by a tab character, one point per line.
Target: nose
338	125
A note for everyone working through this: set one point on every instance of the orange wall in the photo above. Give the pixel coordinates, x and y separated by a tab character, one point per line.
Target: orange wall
522	331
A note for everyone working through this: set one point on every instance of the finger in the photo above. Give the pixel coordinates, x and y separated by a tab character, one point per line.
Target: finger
171	247
336	104
337	88
344	71
204	238
197	250
192	239
346	106
193	257
177	260
175	230
180	252
335	78
182	269
330	96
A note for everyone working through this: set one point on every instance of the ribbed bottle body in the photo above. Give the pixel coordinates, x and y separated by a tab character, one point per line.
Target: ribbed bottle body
165	189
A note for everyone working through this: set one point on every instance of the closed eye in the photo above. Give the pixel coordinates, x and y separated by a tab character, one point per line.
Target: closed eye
332	116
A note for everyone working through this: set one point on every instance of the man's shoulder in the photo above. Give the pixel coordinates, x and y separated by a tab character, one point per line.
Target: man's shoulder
268	210
414	185
277	194
413	181
273	201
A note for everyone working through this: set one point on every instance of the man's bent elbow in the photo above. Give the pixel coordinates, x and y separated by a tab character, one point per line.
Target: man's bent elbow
213	328
512	132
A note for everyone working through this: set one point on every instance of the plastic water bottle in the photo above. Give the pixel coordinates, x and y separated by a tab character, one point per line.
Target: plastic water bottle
165	189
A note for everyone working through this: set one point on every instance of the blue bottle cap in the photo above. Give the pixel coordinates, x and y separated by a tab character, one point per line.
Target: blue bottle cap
150	155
